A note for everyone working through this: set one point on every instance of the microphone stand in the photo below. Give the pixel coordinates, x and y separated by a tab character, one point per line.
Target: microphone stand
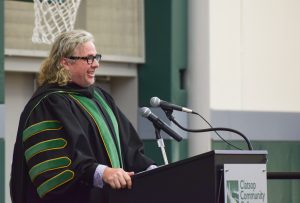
161	144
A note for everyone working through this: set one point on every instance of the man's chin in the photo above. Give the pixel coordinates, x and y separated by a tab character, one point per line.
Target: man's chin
91	83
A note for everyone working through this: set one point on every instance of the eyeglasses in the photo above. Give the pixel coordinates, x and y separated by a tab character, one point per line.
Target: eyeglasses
89	59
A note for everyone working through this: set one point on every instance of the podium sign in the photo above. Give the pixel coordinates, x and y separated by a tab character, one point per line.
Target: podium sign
245	183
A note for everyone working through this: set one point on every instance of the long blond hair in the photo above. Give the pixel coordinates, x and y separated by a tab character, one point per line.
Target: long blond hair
51	69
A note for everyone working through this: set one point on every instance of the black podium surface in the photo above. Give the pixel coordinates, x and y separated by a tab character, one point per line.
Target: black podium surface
196	179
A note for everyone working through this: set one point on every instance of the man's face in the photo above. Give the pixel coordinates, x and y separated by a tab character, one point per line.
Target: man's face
82	73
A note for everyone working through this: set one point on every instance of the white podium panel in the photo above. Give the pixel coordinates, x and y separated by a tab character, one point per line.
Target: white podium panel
245	183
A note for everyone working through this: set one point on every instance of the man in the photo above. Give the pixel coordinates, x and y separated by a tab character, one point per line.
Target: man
72	138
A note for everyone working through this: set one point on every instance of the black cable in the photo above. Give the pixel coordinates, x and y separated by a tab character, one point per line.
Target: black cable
230	144
185	129
170	116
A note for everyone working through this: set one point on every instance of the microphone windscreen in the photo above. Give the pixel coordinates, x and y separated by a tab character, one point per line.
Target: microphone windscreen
155	101
145	112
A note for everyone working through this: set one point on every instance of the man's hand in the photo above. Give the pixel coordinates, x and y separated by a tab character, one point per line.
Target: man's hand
117	178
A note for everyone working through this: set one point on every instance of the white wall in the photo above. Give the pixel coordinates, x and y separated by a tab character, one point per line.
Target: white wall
18	89
125	93
254	55
198	83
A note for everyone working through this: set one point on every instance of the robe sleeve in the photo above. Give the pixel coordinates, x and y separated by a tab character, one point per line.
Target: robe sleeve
56	148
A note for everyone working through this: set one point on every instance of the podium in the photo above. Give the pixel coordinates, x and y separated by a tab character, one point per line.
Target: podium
195	179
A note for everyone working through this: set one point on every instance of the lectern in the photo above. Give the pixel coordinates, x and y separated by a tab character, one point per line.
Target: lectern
195	179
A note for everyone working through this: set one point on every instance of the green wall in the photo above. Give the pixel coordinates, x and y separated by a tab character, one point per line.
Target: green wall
162	75
178	52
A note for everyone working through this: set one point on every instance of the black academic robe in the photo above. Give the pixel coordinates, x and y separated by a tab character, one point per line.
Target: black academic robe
59	146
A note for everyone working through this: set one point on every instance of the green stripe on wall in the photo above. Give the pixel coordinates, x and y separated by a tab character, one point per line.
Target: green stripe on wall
156	70
283	156
162	75
178	51
2	164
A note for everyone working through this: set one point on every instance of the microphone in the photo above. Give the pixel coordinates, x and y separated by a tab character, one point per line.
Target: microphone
156	102
146	112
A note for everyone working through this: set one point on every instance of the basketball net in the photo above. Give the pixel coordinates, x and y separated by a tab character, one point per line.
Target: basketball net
53	17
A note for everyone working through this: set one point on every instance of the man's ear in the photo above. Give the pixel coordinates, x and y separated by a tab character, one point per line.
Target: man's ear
65	63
